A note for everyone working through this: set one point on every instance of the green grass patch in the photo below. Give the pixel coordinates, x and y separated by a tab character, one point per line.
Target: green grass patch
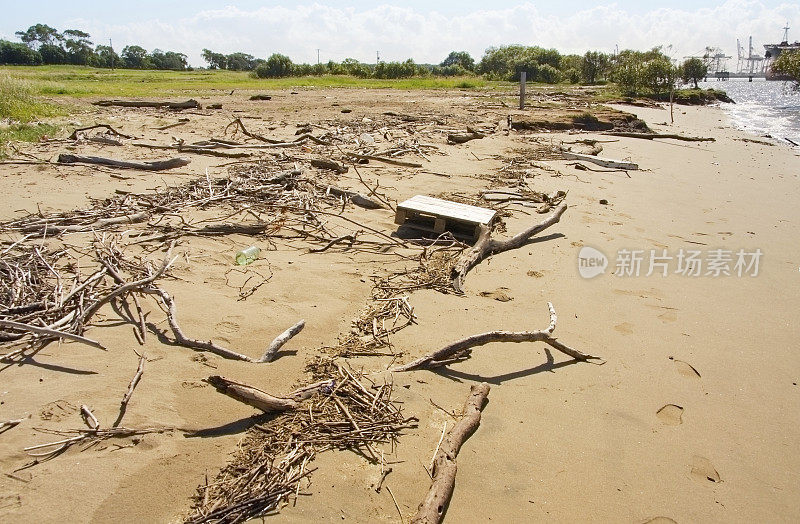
24	133
89	82
18	103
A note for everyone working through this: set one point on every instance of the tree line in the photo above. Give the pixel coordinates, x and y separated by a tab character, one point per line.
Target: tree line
42	44
635	72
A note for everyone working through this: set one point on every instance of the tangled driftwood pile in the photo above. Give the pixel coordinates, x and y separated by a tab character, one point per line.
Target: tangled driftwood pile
345	411
47	294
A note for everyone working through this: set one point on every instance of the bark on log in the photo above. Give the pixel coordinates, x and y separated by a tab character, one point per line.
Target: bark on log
263	400
457	350
354	197
651	136
434	506
189	104
156	165
460	138
323	163
280	340
486	246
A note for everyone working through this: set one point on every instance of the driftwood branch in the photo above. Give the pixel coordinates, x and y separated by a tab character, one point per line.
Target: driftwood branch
123	407
434	506
324	163
182	340
108	128
156	165
18	326
89	418
457	350
384	160
194	150
355	197
280	340
5	425
486	246
264	401
605	162
100	223
460	138
189	104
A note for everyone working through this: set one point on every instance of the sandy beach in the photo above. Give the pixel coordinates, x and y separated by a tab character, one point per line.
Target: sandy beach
691	414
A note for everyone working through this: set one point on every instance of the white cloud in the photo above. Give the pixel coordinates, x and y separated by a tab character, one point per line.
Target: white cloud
400	32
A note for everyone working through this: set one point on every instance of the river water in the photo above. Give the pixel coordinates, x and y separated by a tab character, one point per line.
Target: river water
762	108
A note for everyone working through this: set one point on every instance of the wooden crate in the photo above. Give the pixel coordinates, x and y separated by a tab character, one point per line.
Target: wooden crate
436	215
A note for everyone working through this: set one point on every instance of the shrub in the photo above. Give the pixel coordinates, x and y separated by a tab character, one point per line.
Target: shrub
276	66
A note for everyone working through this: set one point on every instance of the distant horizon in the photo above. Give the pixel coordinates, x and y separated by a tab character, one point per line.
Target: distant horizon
418	31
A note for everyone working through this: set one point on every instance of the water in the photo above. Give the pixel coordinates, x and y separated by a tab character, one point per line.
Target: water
762	108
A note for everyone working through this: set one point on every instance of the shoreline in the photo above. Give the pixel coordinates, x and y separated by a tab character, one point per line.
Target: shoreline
558	441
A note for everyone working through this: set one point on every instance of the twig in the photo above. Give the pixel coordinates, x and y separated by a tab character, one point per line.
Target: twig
131	386
280	340
50	332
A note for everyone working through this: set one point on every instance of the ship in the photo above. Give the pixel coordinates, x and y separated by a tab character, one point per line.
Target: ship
773	51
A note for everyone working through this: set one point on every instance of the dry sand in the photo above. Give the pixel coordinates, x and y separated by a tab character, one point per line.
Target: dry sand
640	437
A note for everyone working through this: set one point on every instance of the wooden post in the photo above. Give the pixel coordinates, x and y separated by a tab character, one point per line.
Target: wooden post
522	76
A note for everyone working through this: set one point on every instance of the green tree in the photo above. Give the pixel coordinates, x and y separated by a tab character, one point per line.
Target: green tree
659	75
14	53
135	57
693	70
167	60
79	47
459	58
594	66
39	35
53	54
214	60
104	56
240	62
507	62
788	63
276	66
571	68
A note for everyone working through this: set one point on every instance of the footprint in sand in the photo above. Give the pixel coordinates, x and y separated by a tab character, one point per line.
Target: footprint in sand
703	470
537	274
669	316
500	294
58	410
626	328
227	326
661	520
670	415
685	369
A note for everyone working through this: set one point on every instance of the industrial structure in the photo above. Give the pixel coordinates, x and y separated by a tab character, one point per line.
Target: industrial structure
773	51
750	64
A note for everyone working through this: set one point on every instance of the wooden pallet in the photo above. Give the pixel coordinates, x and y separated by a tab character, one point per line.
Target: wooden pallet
436	215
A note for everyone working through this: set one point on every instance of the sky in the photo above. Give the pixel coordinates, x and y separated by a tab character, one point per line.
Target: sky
423	30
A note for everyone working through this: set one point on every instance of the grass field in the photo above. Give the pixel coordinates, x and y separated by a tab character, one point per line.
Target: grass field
80	82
